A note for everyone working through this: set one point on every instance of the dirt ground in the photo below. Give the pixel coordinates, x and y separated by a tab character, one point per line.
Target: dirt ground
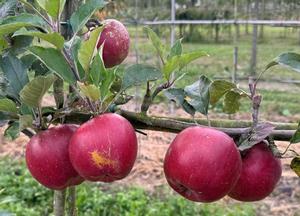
148	172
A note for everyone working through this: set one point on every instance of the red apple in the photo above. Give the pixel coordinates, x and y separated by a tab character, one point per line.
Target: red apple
104	148
116	43
47	158
260	173
202	164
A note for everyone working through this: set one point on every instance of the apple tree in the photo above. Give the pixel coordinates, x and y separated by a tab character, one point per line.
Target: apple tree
89	136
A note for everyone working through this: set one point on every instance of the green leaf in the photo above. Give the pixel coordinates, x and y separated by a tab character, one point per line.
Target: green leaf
88	49
231	102
34	91
295	165
290	60
12	132
97	69
16	74
55	7
219	88
25	122
256	135
176	49
55	61
3	84
107	79
42	3
90	91
3	44
138	74
160	48
179	62
84	12
296	136
53	38
179	96
197	94
13	23
28	60
7	105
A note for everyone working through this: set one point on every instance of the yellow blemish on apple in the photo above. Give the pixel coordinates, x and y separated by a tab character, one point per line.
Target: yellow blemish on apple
100	160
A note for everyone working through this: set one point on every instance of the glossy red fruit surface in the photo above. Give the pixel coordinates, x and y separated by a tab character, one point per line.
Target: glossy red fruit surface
202	164
260	173
47	158
116	43
104	148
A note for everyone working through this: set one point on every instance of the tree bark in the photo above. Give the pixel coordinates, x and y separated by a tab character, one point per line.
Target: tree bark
59	202
70	7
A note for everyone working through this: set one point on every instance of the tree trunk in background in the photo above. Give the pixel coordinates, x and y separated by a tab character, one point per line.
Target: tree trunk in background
71	6
217	29
254	42
263	10
247	16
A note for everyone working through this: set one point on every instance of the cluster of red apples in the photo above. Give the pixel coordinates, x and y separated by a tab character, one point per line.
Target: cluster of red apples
201	164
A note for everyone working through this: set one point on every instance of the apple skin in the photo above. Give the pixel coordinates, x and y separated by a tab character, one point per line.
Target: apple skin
104	148
116	43
202	164
260	173
47	158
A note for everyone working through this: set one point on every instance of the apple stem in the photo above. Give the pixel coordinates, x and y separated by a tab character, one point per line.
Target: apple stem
59	202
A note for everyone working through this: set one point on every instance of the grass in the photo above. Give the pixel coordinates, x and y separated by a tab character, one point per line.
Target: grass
220	63
21	195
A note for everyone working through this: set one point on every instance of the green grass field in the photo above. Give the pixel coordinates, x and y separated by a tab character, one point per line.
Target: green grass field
21	195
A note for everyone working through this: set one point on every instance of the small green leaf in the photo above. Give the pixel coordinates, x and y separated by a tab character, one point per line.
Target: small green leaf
232	102
97	69
107	79
198	94
34	91
176	49
83	14
7	105
16	74
53	38
138	74
296	136
179	62
178	95
12	132
290	60
156	42
295	165
88	49
219	88
25	122
90	91
55	61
